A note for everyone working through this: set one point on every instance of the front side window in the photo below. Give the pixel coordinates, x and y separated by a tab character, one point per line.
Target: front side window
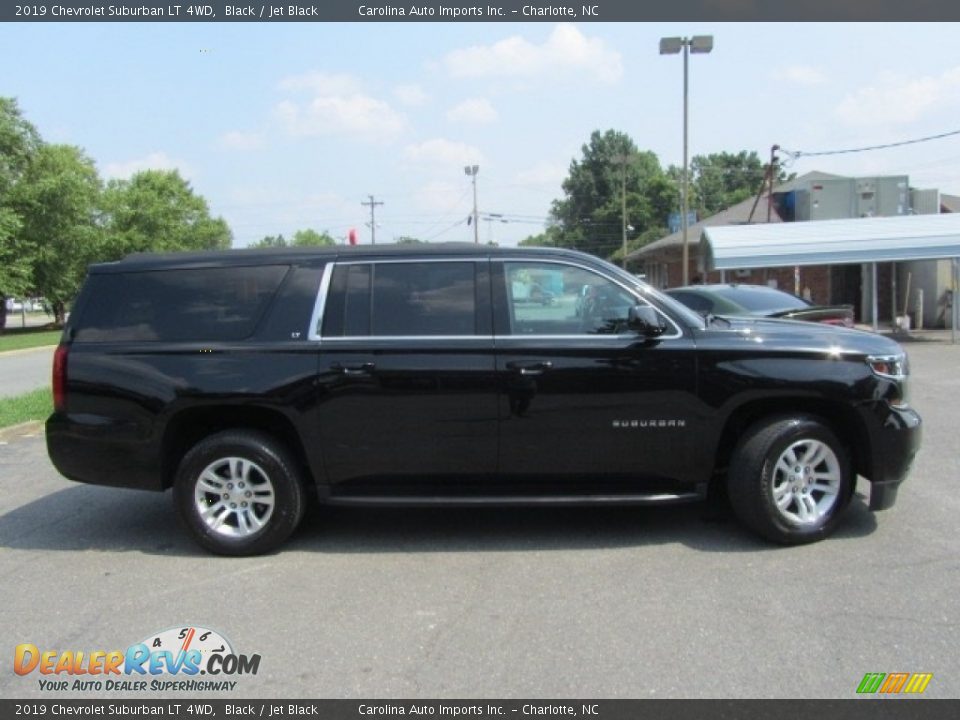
555	299
406	299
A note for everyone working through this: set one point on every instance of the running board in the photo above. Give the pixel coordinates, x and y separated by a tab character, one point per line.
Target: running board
424	500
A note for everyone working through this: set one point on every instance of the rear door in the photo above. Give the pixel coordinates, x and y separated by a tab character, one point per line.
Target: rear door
406	383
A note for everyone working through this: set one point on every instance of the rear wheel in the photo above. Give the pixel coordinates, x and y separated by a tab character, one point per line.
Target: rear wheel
239	493
790	479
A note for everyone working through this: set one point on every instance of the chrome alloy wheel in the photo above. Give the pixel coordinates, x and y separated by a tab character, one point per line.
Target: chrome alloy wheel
234	497
806	481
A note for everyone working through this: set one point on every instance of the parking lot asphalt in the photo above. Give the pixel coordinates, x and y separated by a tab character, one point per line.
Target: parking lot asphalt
25	370
545	603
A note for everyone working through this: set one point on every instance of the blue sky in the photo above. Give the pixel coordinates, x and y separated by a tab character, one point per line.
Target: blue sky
287	126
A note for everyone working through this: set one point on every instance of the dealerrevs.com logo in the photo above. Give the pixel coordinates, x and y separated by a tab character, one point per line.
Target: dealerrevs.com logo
172	660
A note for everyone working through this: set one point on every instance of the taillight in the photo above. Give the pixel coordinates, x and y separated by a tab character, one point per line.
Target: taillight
60	378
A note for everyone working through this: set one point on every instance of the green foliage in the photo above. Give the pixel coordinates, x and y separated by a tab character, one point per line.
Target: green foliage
270	241
590	215
56	199
56	217
157	210
31	337
35	405
311	238
301	238
19	141
720	180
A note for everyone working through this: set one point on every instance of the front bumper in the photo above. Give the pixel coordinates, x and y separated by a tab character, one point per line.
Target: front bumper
896	436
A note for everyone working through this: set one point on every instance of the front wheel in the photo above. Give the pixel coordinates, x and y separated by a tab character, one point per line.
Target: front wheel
790	480
239	493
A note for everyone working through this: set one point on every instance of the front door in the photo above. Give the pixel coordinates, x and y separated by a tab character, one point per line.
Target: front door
582	397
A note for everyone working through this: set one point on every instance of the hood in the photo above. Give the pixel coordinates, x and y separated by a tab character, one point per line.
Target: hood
774	334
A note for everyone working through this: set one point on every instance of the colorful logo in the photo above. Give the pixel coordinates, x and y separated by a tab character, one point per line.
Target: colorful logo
894	683
181	651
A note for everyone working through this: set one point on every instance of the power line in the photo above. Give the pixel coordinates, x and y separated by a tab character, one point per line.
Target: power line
795	154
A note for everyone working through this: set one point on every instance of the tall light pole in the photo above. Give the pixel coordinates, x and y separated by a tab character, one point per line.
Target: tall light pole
472	171
672	46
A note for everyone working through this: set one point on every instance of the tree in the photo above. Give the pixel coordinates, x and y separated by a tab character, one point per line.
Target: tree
590	216
311	238
270	241
19	141
157	210
56	199
720	180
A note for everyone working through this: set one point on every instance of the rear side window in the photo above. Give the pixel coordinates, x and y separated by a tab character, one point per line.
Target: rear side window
206	304
402	299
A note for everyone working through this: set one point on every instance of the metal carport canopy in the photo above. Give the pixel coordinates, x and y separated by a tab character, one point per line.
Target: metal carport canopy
831	242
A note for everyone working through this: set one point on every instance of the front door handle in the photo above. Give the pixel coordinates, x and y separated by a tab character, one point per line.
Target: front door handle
359	369
536	368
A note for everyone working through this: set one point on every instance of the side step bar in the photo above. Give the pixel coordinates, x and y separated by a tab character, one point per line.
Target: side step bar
454	500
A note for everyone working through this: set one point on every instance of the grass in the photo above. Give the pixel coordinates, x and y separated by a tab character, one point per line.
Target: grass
29	338
35	405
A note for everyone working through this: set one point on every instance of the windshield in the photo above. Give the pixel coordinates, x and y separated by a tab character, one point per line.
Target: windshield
757	298
691	318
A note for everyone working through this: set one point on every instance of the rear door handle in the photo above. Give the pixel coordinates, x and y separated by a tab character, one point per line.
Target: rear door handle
537	368
360	369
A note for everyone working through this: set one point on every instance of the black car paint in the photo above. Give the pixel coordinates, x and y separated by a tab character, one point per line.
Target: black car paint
484	414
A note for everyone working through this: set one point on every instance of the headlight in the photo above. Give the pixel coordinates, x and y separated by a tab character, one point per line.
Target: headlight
890	366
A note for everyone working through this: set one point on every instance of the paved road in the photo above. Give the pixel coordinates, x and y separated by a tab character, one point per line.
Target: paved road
542	603
25	370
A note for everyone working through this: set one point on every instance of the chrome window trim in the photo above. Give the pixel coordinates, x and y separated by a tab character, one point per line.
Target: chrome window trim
321	303
678	333
324	290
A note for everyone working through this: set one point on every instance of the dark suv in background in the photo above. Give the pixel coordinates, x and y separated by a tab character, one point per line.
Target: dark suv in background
429	374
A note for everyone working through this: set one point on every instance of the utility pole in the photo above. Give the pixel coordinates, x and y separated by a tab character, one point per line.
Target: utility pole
472	171
622	160
373	218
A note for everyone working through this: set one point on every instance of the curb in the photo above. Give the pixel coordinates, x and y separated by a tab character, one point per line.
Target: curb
31	427
24	351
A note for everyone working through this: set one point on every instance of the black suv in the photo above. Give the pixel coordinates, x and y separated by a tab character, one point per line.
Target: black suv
436	374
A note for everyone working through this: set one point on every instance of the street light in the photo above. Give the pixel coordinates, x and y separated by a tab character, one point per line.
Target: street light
472	171
698	44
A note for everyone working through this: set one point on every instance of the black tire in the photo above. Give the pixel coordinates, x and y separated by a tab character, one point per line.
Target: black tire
756	481
268	468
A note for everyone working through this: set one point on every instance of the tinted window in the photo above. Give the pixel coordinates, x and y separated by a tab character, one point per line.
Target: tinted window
402	299
208	304
554	299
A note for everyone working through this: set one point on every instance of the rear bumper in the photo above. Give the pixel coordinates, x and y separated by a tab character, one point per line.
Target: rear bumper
92	449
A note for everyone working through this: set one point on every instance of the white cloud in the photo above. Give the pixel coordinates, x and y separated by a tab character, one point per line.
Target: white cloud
565	50
239	140
321	83
338	106
898	99
153	161
440	151
478	111
801	75
411	95
359	115
442	197
546	173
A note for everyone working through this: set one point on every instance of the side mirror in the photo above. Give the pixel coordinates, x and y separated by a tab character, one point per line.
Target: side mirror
646	321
